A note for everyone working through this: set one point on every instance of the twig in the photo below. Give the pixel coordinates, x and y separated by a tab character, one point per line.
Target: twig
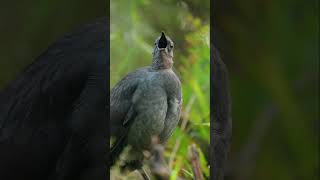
195	162
158	167
144	174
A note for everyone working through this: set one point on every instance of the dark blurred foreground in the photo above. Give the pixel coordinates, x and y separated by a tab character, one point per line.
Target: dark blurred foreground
271	49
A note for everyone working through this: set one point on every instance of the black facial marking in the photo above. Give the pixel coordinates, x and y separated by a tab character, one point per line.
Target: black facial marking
162	41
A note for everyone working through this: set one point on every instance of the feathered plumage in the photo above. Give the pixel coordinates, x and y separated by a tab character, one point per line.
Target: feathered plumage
53	116
146	103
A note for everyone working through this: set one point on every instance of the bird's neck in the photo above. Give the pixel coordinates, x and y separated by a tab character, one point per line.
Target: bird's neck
161	61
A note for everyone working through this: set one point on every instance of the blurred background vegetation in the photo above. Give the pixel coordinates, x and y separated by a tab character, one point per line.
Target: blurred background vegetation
134	27
272	52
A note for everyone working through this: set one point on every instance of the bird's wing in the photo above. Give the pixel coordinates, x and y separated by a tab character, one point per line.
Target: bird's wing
121	110
172	119
174	109
121	105
86	146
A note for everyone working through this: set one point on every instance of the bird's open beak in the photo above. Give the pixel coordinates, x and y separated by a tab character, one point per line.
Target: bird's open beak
162	41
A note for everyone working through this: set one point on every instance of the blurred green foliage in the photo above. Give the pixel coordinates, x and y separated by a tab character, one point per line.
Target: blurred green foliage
271	49
134	27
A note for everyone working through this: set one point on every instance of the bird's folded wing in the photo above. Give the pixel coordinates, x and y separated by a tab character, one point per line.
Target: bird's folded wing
121	103
172	118
122	111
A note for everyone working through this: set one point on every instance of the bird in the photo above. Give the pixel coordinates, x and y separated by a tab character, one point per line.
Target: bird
53	116
145	103
221	121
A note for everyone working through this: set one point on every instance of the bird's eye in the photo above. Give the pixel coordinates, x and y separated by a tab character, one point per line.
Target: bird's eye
171	46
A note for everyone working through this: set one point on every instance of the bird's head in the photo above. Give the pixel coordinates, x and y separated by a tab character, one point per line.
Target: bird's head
163	53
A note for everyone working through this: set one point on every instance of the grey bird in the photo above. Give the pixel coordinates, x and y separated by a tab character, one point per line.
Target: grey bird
145	103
